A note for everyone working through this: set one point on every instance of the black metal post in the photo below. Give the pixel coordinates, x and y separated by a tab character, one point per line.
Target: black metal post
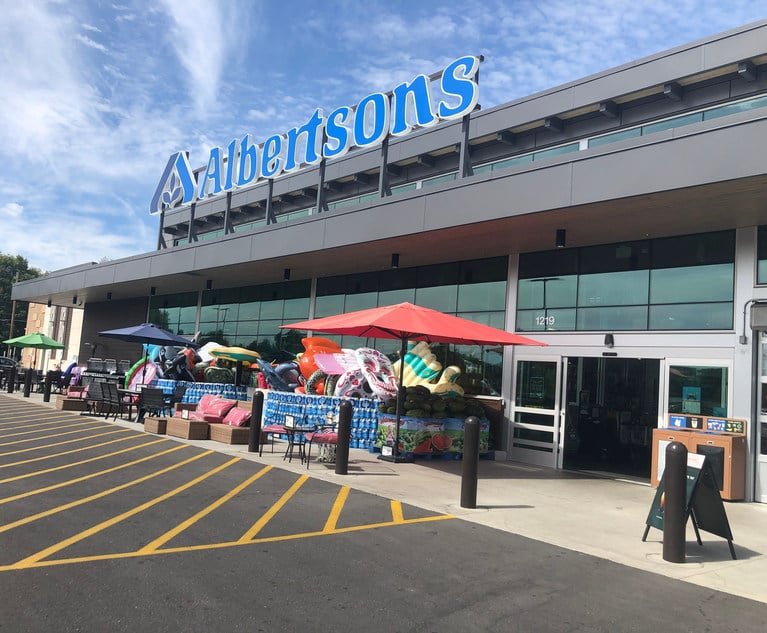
344	435
256	411
11	379
47	387
470	462
28	382
674	503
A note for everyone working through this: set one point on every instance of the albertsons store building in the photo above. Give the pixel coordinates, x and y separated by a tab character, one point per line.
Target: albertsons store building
620	218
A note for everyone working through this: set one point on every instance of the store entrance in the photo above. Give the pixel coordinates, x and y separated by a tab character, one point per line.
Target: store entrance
611	409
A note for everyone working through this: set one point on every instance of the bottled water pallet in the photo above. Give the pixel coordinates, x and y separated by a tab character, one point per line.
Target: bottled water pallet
444	457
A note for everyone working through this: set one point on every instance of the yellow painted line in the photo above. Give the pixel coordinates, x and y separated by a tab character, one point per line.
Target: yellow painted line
335	511
267	516
30	426
48	551
62	453
79	439
396	511
171	534
34	417
65	426
79	502
44	437
84	477
223	545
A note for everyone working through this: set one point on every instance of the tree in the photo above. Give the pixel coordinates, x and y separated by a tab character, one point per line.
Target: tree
10	265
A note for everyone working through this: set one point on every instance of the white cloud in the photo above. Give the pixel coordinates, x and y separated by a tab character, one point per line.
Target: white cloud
89	42
11	209
90	27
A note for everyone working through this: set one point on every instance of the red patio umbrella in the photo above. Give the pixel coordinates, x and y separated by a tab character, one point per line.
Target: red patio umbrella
408	322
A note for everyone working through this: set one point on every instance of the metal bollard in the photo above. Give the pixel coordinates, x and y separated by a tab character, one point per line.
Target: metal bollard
47	387
256	413
674	503
11	379
470	462
344	435
28	383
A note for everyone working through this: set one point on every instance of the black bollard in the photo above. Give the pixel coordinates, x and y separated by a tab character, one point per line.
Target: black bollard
674	503
28	383
470	462
47	387
344	435
11	379
256	411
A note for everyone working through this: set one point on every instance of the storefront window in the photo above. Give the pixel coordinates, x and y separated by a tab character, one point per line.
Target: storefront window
174	312
679	283
761	254
698	390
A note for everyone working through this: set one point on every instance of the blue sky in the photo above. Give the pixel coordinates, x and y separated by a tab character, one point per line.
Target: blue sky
96	95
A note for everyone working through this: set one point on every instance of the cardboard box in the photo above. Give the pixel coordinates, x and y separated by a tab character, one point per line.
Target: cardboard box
187	429
65	403
155	425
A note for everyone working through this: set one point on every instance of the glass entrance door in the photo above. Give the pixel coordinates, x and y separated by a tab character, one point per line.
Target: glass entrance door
760	438
536	414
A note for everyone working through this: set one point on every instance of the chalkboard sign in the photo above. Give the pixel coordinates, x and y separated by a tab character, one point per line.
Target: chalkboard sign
703	502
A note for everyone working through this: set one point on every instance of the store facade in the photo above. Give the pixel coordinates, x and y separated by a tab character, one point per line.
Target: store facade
617	218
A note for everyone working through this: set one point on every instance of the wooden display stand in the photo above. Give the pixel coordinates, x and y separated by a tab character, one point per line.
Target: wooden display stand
187	429
725	450
229	434
155	425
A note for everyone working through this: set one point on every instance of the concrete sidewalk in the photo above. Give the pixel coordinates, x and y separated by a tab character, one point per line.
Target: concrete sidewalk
593	515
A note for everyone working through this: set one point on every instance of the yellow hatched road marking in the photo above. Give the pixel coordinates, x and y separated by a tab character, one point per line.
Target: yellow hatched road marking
69	482
79	439
48	551
98	495
43	437
396	511
50	423
335	511
74	450
267	516
171	534
7	425
224	545
65	426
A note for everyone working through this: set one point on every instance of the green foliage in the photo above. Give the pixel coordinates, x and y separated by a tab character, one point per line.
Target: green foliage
9	266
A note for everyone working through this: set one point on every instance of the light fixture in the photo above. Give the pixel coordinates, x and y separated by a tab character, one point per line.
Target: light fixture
50	303
109	296
395	260
74	300
209	284
153	291
561	238
609	340
286	274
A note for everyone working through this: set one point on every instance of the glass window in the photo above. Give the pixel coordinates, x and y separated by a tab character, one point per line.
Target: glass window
442	298
668	124
390	297
732	108
613	289
409	186
475	271
615	137
549	292
550	320
328	306
549	263
482	169
556	151
512	162
614	257
691	316
698	390
536	384
612	318
296	308
694	250
361	301
431	182
692	283
761	250
490	295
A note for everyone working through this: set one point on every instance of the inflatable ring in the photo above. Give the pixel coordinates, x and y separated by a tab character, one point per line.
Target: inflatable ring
330	385
272	377
352	384
377	370
314	381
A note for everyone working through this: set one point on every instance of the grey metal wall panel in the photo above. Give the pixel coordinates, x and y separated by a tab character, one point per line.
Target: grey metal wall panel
393	219
137	268
413	145
685	161
217	254
99	276
109	315
171	262
290	238
742	45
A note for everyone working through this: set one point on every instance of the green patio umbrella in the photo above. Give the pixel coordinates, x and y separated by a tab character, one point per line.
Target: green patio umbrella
36	340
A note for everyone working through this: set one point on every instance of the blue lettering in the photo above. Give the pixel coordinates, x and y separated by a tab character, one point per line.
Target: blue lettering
458	81
212	174
338	139
419	92
248	164
231	159
313	143
272	161
379	104
184	171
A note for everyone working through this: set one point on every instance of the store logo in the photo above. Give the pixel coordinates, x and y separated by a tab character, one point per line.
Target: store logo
243	162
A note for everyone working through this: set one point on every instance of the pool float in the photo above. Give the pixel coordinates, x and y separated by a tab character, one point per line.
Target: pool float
315	345
353	384
273	379
143	372
377	370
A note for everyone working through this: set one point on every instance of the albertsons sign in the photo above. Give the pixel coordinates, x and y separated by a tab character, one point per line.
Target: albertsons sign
243	162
